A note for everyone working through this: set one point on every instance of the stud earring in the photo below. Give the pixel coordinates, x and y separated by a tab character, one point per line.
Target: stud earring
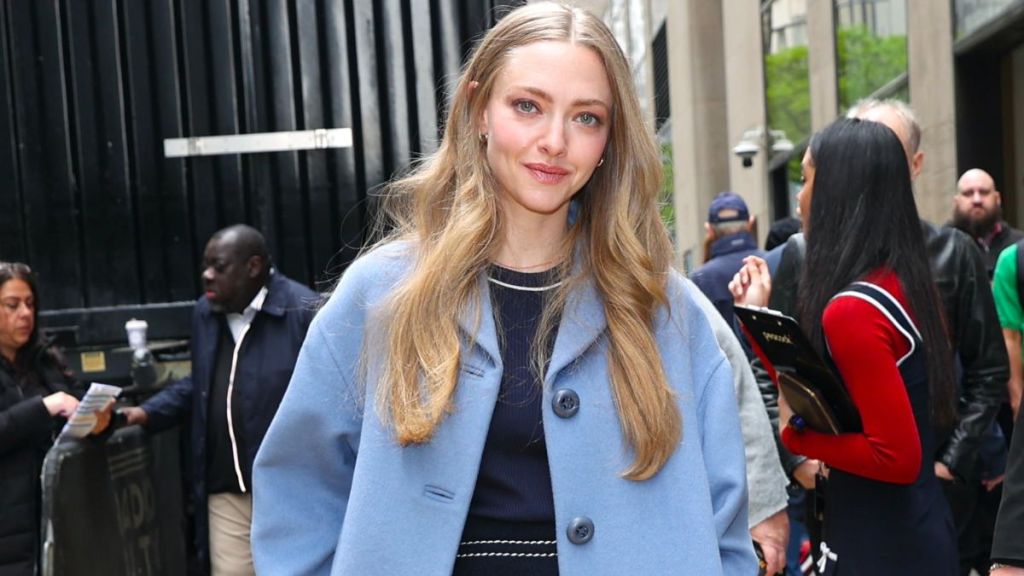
483	136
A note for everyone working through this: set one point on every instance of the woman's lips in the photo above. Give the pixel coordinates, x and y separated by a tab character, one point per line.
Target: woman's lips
546	174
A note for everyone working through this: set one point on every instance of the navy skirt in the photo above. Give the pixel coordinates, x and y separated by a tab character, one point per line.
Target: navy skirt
498	548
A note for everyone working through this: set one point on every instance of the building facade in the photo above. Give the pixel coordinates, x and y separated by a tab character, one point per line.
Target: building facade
770	73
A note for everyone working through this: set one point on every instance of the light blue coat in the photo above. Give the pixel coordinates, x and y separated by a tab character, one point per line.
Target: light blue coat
334	494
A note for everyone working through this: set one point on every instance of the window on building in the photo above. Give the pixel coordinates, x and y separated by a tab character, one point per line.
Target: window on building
871	46
971	15
787	92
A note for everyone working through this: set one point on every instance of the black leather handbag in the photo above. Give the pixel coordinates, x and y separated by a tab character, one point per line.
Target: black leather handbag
813	389
808	403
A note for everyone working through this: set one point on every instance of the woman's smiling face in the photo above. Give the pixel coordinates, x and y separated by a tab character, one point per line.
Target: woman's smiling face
546	123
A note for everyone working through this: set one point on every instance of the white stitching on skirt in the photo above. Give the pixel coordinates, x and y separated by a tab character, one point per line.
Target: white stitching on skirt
506	555
515	542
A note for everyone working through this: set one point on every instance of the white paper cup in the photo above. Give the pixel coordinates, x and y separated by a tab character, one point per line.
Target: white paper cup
136	330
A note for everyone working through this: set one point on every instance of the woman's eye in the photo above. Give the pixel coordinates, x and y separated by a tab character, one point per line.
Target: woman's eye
588	119
525	106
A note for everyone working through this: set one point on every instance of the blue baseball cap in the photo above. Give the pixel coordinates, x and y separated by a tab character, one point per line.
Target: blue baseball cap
727	207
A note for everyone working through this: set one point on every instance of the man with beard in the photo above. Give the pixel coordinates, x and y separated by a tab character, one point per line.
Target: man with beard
978	212
247	329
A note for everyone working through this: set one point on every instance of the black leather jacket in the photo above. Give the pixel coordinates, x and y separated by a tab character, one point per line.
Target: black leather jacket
960	276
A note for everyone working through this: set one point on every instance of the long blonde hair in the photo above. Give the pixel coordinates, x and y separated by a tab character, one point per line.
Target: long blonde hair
448	208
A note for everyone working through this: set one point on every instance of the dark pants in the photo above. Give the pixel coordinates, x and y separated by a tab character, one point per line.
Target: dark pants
974	513
797	529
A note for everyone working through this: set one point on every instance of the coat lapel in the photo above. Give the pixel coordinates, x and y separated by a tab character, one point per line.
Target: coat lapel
477	322
582	323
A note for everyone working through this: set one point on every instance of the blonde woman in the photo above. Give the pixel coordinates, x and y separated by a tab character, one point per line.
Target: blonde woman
515	382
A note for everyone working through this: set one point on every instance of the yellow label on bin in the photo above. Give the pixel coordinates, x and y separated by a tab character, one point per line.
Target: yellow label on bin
94	362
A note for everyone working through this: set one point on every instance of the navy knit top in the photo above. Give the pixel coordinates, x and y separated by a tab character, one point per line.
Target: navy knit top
514	482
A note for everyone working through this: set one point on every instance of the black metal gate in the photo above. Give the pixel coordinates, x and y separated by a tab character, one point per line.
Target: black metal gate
89	89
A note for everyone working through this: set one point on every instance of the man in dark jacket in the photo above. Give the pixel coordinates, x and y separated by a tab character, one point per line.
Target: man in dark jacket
730	239
978	212
963	286
246	333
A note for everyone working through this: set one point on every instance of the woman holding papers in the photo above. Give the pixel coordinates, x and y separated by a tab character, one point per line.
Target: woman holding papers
36	394
868	304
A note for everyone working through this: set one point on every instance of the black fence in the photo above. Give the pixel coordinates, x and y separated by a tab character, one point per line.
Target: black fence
89	89
115	508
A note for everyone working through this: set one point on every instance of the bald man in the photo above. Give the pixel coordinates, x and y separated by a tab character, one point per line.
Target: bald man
978	212
247	329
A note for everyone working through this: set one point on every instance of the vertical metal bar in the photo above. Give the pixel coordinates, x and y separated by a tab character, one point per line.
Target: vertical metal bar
12	230
286	193
369	93
348	196
106	206
317	234
396	84
178	259
39	74
197	119
424	100
165	254
223	61
257	62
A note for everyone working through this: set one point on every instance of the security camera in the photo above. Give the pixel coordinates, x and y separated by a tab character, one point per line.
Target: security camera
746	150
781	144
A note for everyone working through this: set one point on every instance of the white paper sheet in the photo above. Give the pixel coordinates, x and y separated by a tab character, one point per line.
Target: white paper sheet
84	418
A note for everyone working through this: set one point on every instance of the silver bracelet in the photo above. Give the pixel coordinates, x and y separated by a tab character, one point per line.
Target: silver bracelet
996	566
